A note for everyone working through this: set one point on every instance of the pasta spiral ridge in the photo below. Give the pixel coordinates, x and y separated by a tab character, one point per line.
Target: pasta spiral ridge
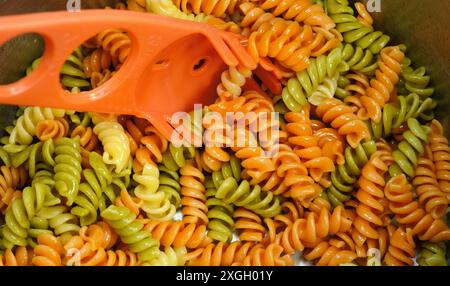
97	181
312	229
342	118
219	214
409	213
306	144
302	11
414	80
370	196
401	248
67	168
242	195
427	188
193	194
131	232
223	254
11	179
72	73
441	156
48	252
52	129
379	92
22	256
116	145
25	127
175	157
359	60
410	148
394	115
300	88
432	254
178	234
156	203
22	220
352	30
330	253
217	8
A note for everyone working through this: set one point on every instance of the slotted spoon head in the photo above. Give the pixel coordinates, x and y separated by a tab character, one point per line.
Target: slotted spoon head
173	64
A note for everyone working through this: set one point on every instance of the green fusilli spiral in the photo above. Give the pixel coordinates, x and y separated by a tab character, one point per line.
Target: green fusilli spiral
169	184
131	232
432	254
89	199
243	195
73	77
220	214
393	116
300	88
352	30
359	60
60	220
175	157
345	176
409	149
22	221
67	168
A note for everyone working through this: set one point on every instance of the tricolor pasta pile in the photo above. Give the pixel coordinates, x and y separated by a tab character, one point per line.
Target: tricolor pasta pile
360	176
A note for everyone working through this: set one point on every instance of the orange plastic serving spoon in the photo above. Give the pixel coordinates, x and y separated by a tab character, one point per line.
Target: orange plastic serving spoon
160	76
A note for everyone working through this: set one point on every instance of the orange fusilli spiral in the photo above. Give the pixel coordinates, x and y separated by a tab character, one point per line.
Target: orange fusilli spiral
193	194
249	225
331	143
441	156
52	129
22	256
254	16
401	249
289	43
427	188
381	88
120	258
302	11
218	8
409	213
88	142
370	196
178	233
11	179
116	42
334	252
236	253
306	144
316	226
48	252
357	87
342	118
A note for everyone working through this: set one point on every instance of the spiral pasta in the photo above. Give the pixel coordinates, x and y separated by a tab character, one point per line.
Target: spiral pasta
302	11
353	30
22	256
155	203
441	156
301	88
25	128
216	8
67	168
52	129
11	179
432	254
73	77
408	212
48	252
410	148
115	144
178	234
193	194
401	248
343	119
222	254
131	232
